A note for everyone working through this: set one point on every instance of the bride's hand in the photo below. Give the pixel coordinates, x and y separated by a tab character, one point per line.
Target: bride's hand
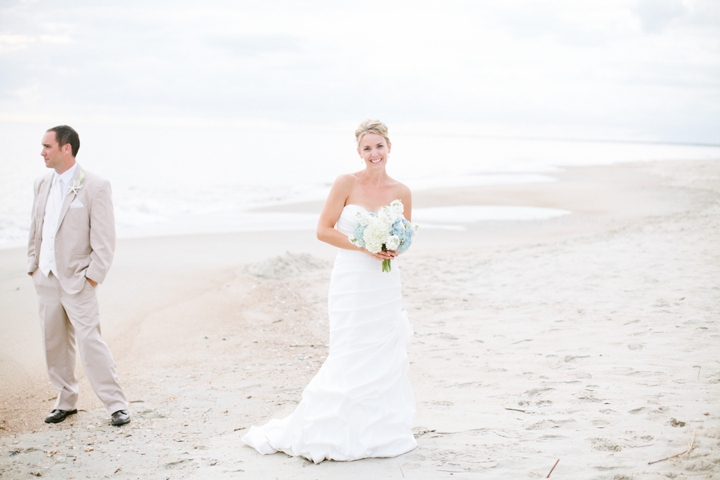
386	255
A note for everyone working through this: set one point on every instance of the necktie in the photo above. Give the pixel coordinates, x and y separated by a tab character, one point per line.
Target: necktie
57	193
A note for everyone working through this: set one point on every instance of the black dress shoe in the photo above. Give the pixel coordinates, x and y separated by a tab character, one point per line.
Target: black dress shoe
121	417
57	416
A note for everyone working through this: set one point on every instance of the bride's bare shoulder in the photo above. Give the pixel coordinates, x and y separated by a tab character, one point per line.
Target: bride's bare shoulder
345	181
346	178
400	188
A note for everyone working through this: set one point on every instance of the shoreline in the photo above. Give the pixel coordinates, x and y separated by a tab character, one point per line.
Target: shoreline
302	214
535	340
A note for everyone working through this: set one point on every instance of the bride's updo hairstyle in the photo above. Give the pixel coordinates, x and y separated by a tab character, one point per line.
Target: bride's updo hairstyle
371	126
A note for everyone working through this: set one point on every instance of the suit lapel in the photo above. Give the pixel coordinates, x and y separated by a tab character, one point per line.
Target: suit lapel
43	193
69	196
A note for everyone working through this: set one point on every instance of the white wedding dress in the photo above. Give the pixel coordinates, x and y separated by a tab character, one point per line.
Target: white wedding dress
360	404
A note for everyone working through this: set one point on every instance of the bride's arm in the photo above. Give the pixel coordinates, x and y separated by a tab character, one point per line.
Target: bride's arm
406	199
330	214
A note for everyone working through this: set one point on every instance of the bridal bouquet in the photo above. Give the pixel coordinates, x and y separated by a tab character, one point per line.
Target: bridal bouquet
385	230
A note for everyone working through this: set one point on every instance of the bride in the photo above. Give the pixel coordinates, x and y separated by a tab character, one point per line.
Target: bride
360	404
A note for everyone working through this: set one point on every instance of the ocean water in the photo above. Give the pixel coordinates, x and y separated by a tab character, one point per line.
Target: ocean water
184	179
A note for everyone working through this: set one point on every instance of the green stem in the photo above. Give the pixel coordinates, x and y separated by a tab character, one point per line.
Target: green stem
386	266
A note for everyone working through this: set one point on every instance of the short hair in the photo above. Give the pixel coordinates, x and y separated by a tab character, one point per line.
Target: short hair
371	126
64	135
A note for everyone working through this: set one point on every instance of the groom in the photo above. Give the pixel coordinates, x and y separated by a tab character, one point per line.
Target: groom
71	247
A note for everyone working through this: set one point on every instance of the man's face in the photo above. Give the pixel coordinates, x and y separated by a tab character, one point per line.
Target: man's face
51	151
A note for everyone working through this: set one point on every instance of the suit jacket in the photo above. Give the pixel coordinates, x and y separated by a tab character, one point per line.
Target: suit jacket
85	239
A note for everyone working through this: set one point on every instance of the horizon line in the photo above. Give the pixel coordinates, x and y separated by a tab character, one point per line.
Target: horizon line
571	139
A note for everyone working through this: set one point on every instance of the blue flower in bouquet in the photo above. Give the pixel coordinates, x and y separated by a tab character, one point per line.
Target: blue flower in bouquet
359	234
404	231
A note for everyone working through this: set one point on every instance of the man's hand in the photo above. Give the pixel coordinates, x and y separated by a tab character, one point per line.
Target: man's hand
93	283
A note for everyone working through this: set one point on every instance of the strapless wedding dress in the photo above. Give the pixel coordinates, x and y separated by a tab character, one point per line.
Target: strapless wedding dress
360	404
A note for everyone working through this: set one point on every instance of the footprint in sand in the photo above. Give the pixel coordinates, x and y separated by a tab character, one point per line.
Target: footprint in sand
534	391
572	358
604	445
415	457
676	423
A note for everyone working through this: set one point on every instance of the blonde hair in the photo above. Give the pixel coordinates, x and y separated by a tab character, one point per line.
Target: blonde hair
371	126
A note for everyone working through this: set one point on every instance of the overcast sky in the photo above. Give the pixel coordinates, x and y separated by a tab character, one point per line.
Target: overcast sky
646	69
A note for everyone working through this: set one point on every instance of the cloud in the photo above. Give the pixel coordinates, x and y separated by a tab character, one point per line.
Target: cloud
254	45
9	42
656	15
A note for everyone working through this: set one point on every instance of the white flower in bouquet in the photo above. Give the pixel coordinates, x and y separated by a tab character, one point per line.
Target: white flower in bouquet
393	242
364	218
375	234
397	207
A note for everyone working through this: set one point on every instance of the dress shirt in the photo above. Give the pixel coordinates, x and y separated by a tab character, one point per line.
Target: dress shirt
52	217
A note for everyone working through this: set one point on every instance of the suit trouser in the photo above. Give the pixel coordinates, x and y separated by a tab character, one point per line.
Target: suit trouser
66	319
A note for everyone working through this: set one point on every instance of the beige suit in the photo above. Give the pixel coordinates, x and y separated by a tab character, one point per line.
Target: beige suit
84	245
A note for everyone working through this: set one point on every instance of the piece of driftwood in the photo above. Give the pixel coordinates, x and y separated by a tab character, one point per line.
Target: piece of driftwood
690	448
553	468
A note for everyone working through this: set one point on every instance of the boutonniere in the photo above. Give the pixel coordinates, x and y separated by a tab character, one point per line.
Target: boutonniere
77	184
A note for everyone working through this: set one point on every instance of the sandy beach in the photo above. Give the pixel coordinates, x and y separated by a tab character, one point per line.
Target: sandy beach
588	341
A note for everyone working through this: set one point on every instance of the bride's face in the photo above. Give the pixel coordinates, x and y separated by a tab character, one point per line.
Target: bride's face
374	149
